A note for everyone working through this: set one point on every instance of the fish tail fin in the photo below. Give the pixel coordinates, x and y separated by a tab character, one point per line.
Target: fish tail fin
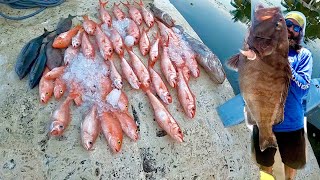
267	141
85	17
115	4
103	4
140	3
232	63
127	4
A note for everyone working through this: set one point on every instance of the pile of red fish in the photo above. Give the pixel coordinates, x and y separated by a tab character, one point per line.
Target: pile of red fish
90	77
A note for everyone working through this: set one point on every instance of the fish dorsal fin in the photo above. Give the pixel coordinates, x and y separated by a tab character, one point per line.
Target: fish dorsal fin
232	63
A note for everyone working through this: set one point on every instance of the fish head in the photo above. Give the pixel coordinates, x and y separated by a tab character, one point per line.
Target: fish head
177	134
268	31
45	96
87	141
150	23
133	133
191	110
56	128
115	144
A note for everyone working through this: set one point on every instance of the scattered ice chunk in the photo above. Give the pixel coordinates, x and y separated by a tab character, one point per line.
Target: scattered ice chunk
129	41
121	26
113	97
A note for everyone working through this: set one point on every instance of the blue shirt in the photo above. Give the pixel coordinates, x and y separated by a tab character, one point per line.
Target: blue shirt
301	67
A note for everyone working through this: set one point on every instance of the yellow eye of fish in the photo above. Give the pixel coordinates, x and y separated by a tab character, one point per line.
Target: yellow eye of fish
61	91
47	93
119	142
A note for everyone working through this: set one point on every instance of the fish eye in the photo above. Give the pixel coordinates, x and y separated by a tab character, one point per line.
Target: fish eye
61	126
47	93
110	50
90	143
61	91
137	130
119	142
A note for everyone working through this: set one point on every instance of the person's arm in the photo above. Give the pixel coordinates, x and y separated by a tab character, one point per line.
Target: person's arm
301	75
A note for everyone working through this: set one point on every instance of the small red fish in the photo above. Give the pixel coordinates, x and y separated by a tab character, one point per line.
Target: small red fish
104	15
45	88
154	50
105	45
139	69
115	76
128	124
147	15
59	87
111	128
90	129
164	118
159	86
134	13
185	96
105	86
129	74
87	47
63	40
123	102
69	54
133	30
117	42
89	25
167	68
144	43
76	40
118	13
55	73
61	118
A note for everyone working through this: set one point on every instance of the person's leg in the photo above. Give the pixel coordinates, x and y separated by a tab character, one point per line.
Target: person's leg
289	172
292	148
265	159
266	169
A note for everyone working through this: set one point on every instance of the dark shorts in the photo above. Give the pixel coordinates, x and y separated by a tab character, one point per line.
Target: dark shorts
292	148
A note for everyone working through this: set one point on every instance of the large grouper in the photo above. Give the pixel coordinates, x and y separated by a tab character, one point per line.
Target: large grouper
264	72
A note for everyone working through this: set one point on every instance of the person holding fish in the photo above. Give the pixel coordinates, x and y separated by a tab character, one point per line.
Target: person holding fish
290	132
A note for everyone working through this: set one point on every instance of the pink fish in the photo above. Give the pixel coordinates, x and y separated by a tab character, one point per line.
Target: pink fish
117	42
133	30
129	74
55	73
134	13
118	13
139	69
104	43
89	25
144	43
165	119
61	118
111	128
104	15
90	128
167	68
185	96
115	76
147	15
87	47
45	87
159	86
154	51
128	125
